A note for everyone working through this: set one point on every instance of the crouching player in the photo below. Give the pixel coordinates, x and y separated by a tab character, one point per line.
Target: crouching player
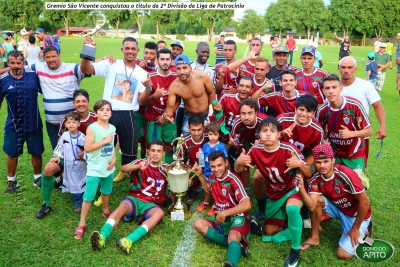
229	227
338	191
143	200
278	163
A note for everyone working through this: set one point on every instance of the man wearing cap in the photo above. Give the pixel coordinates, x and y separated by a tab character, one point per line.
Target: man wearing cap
291	45
338	191
23	43
281	55
194	87
318	62
346	124
383	60
364	92
46	39
309	79
177	48
219	50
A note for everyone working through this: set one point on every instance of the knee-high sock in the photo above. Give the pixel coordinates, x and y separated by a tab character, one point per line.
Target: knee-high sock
216	237
47	187
295	225
138	233
106	230
262	203
281	236
234	253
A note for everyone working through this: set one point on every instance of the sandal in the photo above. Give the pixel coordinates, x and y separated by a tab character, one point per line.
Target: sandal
79	232
106	215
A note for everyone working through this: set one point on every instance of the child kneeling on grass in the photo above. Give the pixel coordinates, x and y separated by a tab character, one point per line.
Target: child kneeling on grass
143	201
101	157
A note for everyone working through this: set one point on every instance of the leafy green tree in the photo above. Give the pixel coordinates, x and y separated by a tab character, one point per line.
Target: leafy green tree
65	18
365	23
311	15
116	17
342	15
281	16
164	17
251	23
22	13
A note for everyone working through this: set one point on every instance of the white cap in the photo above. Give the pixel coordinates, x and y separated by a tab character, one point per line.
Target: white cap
23	32
314	44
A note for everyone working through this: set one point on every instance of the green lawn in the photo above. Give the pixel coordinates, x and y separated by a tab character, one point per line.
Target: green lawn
27	241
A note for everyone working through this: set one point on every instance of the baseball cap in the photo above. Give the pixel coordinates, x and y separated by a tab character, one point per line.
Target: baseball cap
59	32
23	32
182	59
371	55
40	30
308	49
281	49
178	43
324	151
383	45
314	44
221	35
4	36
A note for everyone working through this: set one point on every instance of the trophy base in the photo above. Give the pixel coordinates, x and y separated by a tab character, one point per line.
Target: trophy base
88	52
87	57
177	216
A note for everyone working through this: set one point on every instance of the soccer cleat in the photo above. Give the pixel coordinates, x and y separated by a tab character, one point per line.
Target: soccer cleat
98	202
37	182
11	187
124	244
228	264
203	207
44	210
257	215
58	182
211	212
97	241
255	228
244	249
119	177
294	258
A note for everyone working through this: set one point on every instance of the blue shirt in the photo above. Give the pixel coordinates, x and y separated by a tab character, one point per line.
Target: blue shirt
373	67
56	40
22	102
318	57
397	56
207	149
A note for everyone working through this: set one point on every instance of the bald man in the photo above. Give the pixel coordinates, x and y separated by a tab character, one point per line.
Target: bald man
203	54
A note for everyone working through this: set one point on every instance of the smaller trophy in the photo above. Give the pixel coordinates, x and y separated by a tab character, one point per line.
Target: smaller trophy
178	179
89	51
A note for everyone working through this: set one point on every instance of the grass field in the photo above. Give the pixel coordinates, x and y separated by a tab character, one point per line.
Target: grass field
27	241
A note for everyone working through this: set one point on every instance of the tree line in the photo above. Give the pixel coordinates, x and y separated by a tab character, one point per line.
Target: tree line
364	18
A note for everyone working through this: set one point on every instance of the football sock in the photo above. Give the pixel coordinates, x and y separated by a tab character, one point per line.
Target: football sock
107	229
234	252
138	233
47	187
262	203
11	178
295	225
267	238
281	236
216	237
35	176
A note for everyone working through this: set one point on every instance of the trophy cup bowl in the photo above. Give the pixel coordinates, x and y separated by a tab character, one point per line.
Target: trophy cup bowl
178	179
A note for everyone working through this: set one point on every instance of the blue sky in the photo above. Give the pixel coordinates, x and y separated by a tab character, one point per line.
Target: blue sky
259	5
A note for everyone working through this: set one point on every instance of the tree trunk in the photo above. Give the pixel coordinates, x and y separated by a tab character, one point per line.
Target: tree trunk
66	24
280	36
158	29
139	24
363	41
116	27
308	34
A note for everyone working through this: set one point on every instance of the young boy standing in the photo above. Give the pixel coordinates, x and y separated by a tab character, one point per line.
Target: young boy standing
101	157
371	68
212	145
278	163
143	201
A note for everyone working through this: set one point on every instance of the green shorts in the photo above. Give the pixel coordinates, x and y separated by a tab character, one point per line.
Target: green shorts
140	124
92	183
237	223
355	164
139	209
165	132
275	211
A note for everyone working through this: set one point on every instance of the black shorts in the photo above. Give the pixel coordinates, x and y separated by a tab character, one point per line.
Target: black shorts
126	129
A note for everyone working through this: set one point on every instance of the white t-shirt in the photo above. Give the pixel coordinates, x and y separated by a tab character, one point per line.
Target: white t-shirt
364	91
32	55
123	85
376	46
22	44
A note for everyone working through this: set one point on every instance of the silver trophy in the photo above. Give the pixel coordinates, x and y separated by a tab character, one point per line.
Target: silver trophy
89	51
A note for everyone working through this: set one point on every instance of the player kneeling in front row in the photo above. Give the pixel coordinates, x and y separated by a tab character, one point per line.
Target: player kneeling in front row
145	196
278	162
229	227
339	192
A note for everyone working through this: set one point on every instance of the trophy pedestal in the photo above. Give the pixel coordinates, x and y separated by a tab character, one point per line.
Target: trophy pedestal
178	209
88	52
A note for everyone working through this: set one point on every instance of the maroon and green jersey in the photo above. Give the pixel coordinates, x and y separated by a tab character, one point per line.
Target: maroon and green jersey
227	192
191	148
148	69
272	165
230	106
230	79
247	134
352	115
304	137
340	189
149	185
84	123
258	86
157	108
249	67
278	102
312	83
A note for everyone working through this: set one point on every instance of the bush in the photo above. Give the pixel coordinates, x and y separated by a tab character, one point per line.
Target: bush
181	37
